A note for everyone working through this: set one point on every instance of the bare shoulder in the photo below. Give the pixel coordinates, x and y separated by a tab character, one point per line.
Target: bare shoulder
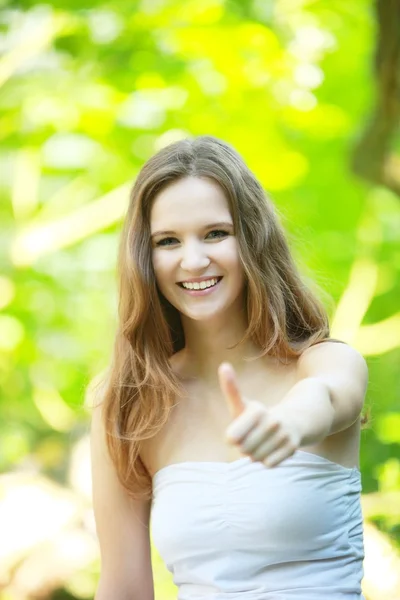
327	352
337	363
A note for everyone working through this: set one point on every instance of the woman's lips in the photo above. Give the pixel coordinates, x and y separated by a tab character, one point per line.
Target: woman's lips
200	292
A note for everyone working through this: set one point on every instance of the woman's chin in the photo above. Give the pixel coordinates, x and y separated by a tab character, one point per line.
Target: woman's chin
202	316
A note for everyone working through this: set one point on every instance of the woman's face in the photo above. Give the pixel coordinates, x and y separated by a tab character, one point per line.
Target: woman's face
194	243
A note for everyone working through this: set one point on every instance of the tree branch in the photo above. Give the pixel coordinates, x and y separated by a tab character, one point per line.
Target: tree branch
372	158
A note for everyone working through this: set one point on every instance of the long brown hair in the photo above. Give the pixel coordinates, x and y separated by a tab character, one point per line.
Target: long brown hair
284	316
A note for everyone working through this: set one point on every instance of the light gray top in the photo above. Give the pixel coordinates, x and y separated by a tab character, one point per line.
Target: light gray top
239	530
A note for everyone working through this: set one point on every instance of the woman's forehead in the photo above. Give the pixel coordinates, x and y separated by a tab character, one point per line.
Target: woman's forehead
190	200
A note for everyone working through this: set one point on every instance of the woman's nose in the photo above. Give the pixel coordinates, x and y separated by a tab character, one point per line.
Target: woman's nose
194	258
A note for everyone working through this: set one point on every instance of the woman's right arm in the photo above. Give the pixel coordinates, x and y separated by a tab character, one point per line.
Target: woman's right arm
122	526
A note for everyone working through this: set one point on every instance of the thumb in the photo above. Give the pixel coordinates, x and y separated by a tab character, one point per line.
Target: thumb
230	389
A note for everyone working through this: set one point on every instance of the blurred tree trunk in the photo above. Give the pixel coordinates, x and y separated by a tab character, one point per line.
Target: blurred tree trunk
373	157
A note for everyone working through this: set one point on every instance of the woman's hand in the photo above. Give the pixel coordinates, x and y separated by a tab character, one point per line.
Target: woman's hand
265	435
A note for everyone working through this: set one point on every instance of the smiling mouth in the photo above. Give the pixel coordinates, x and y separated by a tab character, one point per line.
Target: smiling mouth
199	289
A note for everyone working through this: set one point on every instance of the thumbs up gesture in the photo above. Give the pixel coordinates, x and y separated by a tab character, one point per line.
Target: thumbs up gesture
265	435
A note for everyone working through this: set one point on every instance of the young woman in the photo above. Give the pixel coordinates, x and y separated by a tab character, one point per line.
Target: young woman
227	413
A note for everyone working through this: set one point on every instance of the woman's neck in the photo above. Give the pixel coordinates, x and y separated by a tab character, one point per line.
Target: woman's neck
209	344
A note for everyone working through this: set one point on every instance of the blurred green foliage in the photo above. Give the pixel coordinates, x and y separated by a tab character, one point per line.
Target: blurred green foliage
88	93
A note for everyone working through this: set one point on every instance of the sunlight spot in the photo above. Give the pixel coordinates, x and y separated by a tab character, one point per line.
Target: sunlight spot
105	25
7	291
69	151
53	408
378	338
211	82
311	42
142	110
303	100
11	333
170	136
26	177
308	76
355	299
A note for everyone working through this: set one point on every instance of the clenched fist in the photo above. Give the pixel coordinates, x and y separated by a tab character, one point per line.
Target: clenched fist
264	434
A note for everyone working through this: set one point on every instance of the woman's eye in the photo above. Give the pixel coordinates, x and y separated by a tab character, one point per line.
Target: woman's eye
215	233
166	241
219	233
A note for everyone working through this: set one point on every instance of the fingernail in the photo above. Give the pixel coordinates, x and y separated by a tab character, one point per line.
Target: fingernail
233	433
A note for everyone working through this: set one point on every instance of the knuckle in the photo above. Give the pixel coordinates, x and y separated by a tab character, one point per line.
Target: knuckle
273	425
251	444
244	447
257	455
290	446
258	409
266	424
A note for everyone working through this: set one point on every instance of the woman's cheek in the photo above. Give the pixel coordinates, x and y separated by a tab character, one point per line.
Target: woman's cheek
228	253
163	267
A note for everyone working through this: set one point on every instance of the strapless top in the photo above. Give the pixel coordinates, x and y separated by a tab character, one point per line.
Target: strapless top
230	531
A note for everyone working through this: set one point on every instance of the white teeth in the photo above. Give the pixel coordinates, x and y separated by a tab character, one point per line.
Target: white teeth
200	286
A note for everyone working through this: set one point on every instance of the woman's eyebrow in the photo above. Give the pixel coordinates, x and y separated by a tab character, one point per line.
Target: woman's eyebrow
210	226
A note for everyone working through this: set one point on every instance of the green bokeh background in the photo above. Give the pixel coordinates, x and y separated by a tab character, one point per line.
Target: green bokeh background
88	93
